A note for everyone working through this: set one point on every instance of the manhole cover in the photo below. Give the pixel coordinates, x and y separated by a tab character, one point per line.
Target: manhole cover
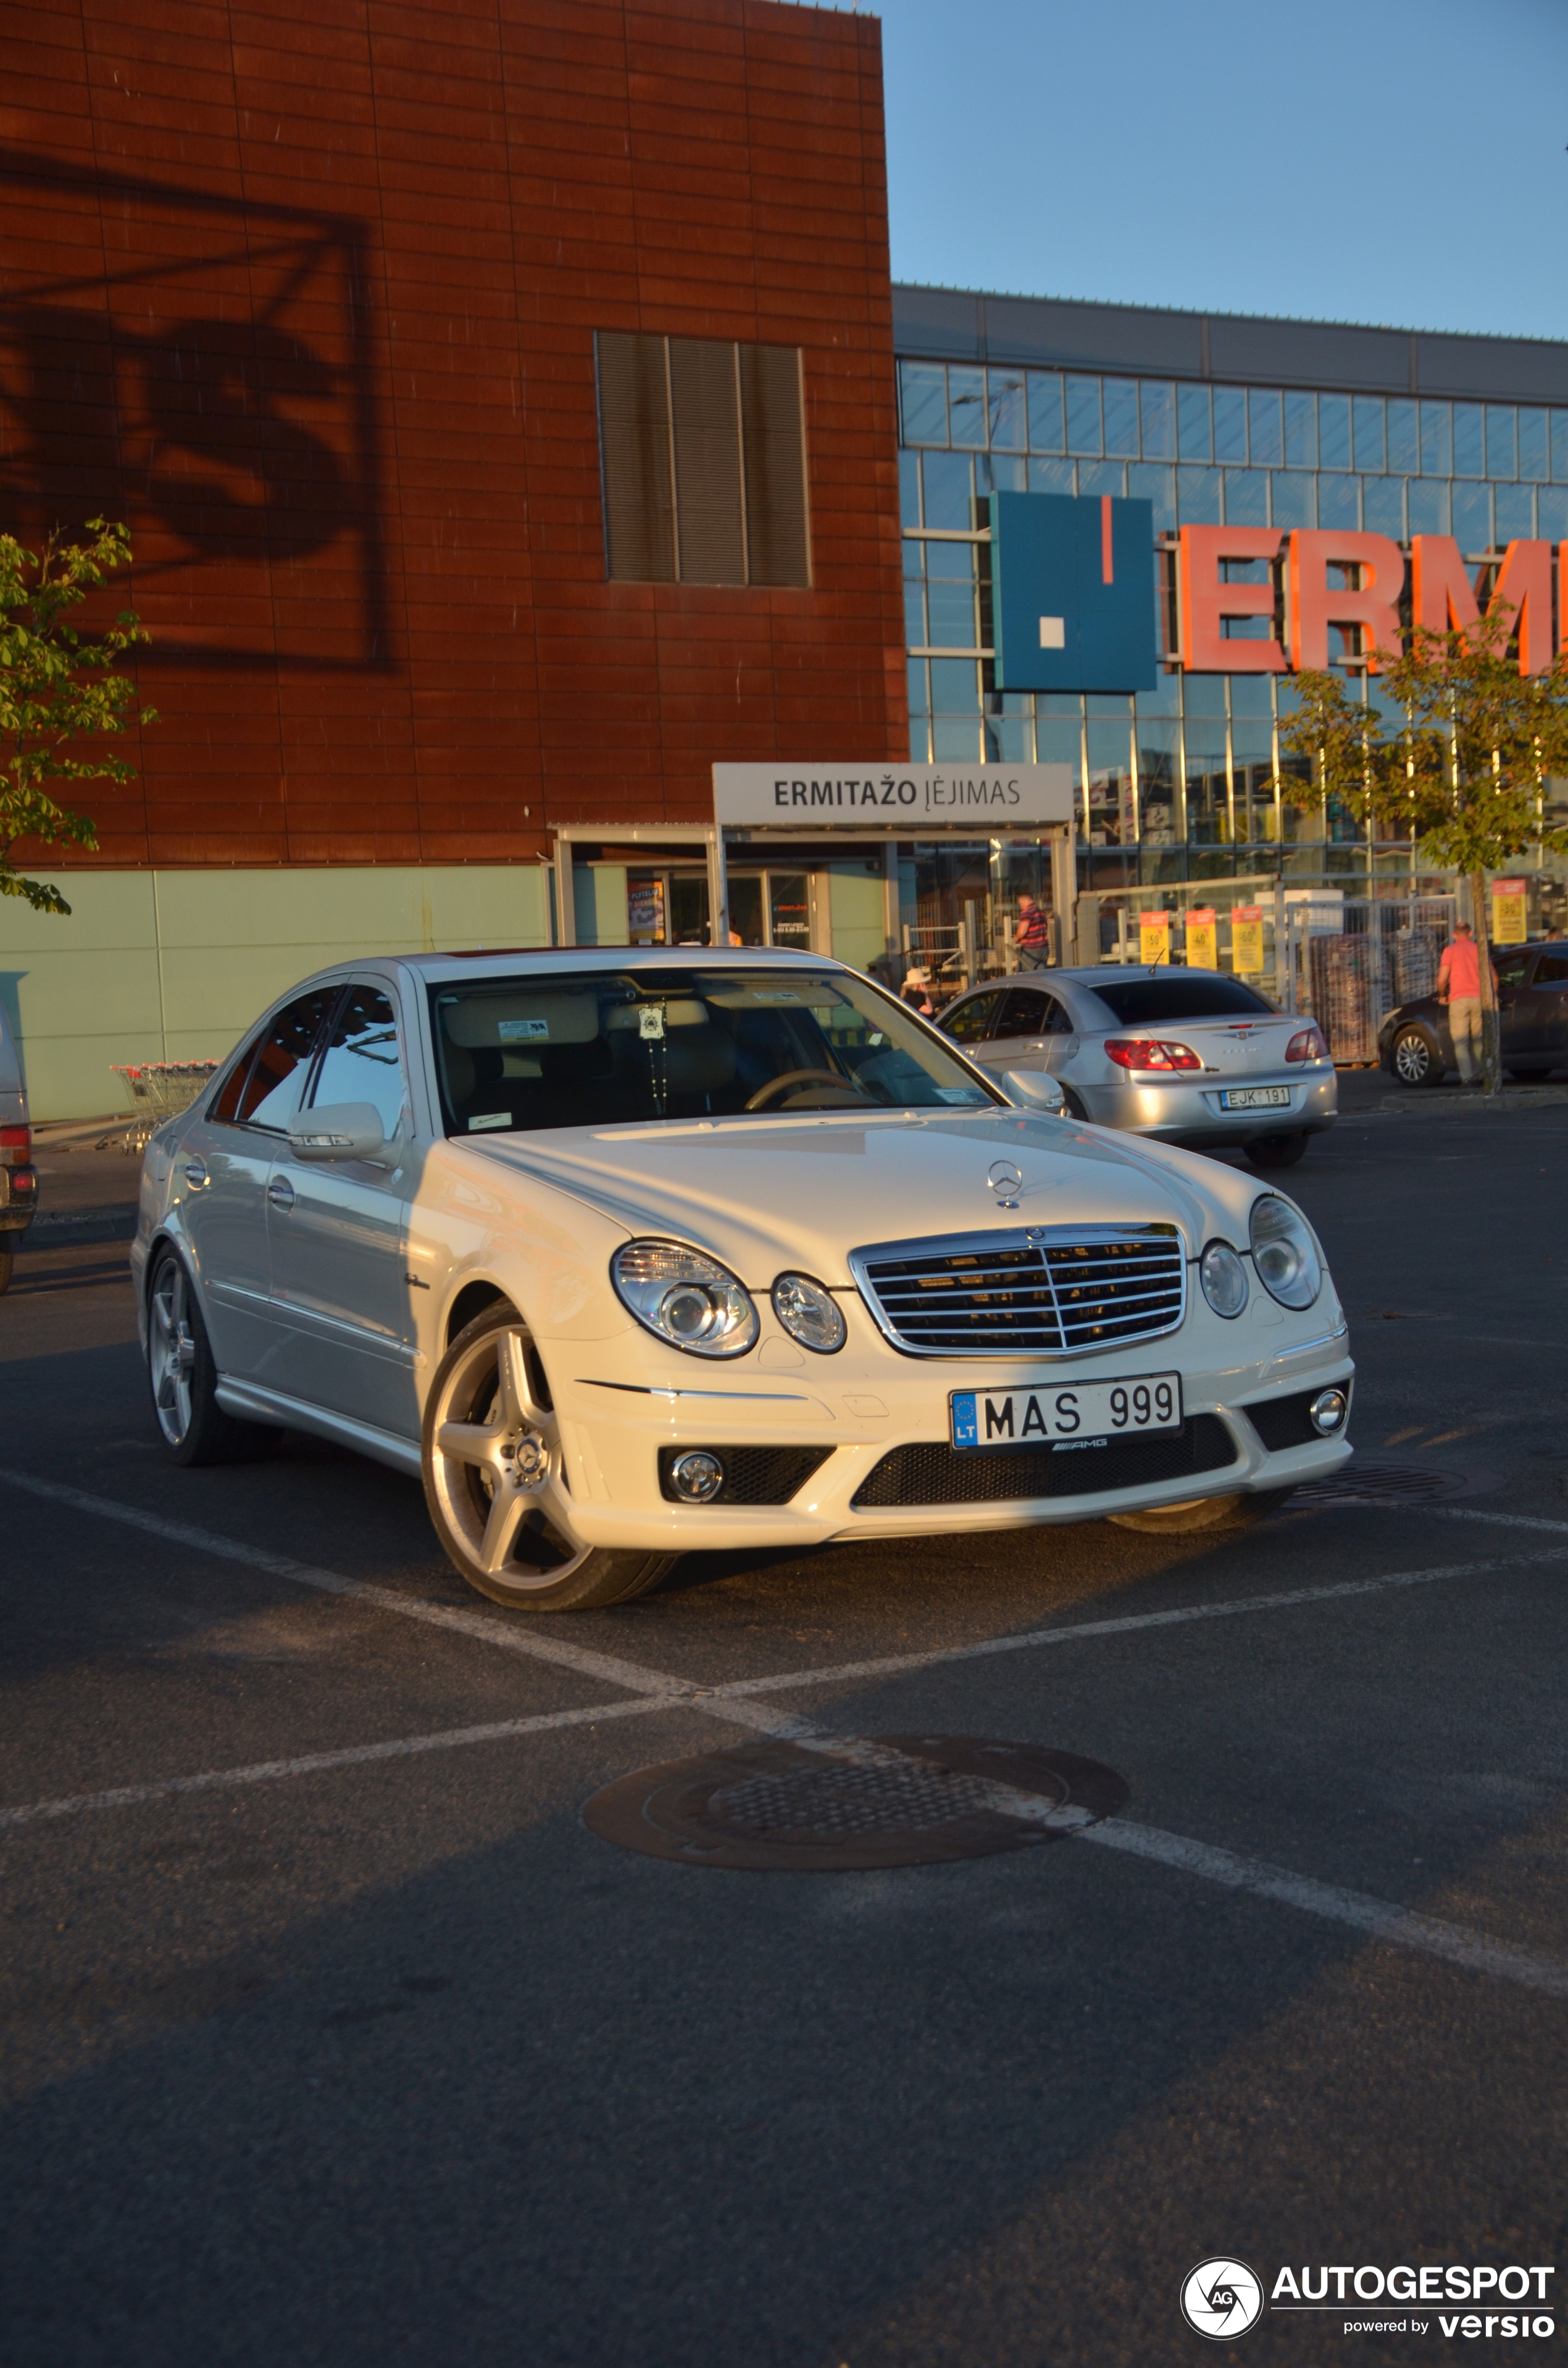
851	1800
1390	1483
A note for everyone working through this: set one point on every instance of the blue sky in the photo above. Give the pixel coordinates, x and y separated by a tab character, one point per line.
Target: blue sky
1399	161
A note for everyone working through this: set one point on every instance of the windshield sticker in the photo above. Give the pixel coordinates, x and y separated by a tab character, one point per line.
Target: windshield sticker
521	1031
651	1022
491	1118
960	1093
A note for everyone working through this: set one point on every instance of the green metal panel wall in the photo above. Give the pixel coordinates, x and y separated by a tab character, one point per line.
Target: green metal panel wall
857	911
175	965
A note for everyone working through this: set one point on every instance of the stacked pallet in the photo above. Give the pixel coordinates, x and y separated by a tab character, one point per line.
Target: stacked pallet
1414	956
1347	999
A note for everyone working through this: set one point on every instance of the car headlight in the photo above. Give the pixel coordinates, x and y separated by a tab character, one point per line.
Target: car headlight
809	1313
1284	1252
1224	1279
689	1300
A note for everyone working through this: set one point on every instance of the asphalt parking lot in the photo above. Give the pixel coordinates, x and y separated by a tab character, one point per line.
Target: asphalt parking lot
335	2036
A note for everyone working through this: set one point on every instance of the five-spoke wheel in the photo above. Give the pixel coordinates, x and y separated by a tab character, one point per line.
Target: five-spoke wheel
495	1480
183	1377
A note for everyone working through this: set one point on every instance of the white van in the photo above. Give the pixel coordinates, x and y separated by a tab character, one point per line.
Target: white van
18	1176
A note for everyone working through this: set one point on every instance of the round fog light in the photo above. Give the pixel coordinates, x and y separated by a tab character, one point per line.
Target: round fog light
1329	1409
697	1477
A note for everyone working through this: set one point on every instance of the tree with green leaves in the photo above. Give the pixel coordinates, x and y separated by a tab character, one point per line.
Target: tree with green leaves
58	691
1464	773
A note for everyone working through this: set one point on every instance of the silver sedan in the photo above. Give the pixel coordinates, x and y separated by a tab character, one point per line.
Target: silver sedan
1194	1057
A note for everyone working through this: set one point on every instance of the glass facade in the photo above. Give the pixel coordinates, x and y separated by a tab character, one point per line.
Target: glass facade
1181	782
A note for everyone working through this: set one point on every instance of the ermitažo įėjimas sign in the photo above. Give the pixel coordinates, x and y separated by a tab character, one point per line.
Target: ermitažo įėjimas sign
895	796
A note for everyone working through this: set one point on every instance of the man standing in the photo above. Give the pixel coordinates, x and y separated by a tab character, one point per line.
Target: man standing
1459	987
1033	938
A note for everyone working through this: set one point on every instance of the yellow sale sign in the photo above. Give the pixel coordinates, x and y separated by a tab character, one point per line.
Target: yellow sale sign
1202	938
1246	937
1510	926
1154	937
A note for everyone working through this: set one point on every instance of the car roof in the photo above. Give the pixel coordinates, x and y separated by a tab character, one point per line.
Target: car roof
504	961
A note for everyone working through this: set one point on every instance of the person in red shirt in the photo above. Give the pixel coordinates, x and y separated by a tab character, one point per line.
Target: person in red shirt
1459	987
1033	938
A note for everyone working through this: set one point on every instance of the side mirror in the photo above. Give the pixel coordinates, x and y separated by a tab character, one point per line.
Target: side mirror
1034	1090
337	1131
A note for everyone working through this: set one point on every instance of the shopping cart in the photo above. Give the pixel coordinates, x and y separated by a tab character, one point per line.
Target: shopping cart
163	1088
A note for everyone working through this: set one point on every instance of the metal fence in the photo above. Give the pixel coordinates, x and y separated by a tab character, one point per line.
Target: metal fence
1386	953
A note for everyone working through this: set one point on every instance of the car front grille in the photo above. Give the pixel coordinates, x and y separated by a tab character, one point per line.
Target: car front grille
935	1473
1047	1289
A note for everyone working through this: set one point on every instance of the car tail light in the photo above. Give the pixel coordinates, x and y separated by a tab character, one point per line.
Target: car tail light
14	1139
24	1183
1149	1052
1307	1046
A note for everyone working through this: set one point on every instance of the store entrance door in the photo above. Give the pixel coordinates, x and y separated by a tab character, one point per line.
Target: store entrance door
771	908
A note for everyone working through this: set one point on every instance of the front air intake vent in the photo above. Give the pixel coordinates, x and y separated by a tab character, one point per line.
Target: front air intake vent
1046	1291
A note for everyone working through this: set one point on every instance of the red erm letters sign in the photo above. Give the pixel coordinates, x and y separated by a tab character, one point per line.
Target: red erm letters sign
1370	572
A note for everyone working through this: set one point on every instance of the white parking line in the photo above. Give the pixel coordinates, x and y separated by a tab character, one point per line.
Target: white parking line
606	1667
358	1755
513	1637
1478	1951
1380	1920
1497	1520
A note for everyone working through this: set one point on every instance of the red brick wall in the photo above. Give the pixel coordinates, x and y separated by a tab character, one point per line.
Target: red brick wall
307	290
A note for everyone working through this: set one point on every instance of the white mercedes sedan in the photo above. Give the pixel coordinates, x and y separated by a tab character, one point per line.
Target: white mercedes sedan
632	1253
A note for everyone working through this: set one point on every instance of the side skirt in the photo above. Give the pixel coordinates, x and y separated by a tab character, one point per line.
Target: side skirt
252	1404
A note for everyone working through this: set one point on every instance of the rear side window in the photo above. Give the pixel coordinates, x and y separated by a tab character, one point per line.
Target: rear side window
265	1085
1149	1002
1030	1012
972	1021
1551	970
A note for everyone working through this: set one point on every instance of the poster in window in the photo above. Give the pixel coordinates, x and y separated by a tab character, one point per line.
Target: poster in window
645	907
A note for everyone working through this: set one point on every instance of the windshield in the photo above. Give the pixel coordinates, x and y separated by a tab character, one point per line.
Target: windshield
604	1047
1146	1002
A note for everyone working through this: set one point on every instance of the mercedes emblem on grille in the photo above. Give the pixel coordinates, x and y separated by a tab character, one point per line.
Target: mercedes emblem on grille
1006	1181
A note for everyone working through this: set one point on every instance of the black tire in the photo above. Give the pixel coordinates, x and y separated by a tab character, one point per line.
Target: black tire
1073	1107
1414	1059
1237	1512
489	1422
192	1426
1278	1150
7	1263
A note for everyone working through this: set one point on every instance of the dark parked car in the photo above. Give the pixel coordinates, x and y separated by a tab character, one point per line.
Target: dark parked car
1414	1046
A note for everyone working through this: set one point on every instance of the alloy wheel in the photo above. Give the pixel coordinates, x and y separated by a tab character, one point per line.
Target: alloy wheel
1412	1059
171	1351
496	1470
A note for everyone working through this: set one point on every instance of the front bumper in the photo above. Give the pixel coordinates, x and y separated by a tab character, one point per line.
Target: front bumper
860	1405
1188	1112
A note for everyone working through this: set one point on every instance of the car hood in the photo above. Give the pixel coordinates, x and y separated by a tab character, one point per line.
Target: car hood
806	1191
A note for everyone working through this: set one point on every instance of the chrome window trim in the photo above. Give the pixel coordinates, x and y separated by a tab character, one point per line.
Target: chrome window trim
1015	1237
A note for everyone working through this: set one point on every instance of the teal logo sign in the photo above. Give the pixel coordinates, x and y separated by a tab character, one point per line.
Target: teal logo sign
1073	592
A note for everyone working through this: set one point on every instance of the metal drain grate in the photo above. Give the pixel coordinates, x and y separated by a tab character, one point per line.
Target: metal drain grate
894	1800
830	1802
1385	1484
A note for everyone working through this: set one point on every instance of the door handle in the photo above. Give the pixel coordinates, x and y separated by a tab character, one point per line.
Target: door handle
281	1192
195	1174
